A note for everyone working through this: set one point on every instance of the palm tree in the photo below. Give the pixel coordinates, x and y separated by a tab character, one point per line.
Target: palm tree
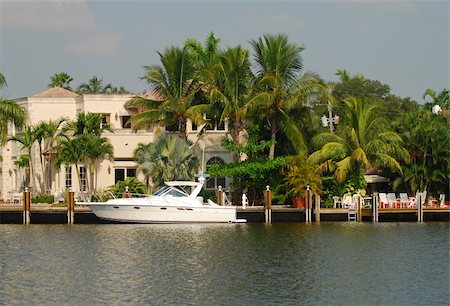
143	155
2	80
175	83
169	158
86	144
24	163
442	98
71	152
93	86
48	134
27	139
97	149
61	79
203	55
362	140
426	137
10	111
231	89
283	88
87	124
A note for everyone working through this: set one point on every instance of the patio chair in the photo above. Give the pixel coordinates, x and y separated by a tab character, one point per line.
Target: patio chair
337	203
358	198
17	198
442	200
392	200
412	202
404	200
347	201
383	200
423	196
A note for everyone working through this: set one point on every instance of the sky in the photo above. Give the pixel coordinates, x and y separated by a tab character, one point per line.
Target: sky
404	44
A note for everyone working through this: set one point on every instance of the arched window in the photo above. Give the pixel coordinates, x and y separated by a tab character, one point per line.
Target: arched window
215	182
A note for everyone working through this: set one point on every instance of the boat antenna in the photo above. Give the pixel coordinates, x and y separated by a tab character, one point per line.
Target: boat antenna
202	176
203	158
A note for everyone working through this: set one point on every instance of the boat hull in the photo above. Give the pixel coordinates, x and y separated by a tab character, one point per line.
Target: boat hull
164	214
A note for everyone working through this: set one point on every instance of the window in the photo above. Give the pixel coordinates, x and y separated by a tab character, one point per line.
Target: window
215	124
126	122
215	182
83	179
106	119
131	172
172	128
68	177
120	174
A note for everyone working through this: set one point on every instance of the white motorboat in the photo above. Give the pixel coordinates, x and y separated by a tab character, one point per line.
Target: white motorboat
176	202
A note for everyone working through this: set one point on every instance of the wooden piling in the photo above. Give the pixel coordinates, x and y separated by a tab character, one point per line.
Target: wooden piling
126	194
317	207
375	213
420	201
70	207
268	204
308	204
26	206
219	195
359	206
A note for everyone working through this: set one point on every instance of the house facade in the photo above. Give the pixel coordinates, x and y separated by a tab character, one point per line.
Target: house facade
57	102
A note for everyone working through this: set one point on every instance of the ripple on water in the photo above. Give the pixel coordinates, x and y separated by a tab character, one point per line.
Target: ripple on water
288	264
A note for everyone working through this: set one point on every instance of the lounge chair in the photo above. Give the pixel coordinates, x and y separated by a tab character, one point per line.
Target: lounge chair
423	197
383	200
405	202
392	200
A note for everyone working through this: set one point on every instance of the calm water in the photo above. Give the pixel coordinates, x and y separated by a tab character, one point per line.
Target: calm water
242	264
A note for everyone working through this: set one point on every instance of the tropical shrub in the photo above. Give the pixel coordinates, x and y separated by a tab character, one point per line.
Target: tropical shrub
133	184
44	198
298	175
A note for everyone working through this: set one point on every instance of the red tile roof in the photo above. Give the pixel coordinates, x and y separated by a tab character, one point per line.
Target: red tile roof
56	92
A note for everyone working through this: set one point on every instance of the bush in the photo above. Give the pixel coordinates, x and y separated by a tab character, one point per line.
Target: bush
133	184
43	198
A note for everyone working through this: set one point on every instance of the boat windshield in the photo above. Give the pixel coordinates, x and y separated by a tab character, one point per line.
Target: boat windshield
161	191
170	191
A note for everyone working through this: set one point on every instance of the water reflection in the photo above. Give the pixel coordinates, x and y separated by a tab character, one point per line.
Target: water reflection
317	264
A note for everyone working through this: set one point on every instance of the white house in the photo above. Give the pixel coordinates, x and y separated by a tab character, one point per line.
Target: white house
58	102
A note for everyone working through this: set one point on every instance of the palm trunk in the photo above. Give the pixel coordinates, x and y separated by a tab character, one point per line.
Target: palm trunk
77	169
273	138
88	174
237	155
92	175
44	183
33	177
182	125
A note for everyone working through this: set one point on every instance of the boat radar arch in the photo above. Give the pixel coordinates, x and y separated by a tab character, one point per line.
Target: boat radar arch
202	177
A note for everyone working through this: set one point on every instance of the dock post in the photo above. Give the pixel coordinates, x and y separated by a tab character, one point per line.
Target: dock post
358	208
308	204
268	204
126	193
374	207
317	207
244	200
70	207
26	206
420	201
219	195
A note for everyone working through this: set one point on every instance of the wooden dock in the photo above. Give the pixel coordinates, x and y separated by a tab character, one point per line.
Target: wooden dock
12	213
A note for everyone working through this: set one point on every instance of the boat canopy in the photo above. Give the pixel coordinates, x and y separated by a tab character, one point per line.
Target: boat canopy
183	183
